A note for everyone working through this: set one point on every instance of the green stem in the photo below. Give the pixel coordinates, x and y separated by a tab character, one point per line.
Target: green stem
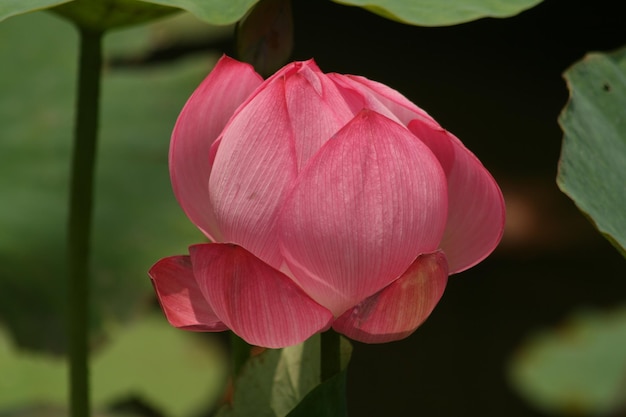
240	353
80	214
330	354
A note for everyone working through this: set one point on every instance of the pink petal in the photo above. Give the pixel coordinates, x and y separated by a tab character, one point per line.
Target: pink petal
369	202
254	168
400	308
383	99
183	303
260	304
476	206
201	121
316	108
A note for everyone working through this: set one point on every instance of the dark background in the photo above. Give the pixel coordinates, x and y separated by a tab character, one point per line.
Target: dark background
497	84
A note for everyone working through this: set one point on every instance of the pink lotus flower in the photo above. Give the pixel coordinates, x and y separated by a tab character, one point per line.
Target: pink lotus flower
332	201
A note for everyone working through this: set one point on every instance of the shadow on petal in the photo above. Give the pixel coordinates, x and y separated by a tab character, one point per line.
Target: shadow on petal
219	95
260	304
181	300
475	204
397	310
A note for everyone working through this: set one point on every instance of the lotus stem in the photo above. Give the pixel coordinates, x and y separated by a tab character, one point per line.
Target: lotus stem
80	217
330	354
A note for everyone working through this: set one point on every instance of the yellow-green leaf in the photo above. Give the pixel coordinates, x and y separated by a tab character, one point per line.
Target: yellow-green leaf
578	368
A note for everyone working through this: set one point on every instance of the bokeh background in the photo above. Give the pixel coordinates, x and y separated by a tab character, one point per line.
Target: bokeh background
496	83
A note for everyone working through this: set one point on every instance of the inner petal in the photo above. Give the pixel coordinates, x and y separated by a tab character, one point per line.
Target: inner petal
316	109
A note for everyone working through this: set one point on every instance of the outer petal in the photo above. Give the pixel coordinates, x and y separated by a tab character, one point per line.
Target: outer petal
400	308
259	303
201	121
254	169
183	303
363	209
476	207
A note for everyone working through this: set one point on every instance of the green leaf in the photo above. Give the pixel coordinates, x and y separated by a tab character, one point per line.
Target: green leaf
576	369
217	12
102	15
137	220
131	46
441	12
273	383
10	8
592	168
173	371
327	399
107	14
57	411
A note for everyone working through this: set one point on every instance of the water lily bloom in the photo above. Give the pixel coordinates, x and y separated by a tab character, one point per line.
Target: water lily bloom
331	201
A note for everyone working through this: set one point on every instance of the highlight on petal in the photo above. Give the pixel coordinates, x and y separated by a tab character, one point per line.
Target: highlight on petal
200	123
400	308
367	204
253	170
182	301
476	210
260	304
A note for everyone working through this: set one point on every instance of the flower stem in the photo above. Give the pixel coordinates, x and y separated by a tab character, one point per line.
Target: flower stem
80	215
240	353
330	354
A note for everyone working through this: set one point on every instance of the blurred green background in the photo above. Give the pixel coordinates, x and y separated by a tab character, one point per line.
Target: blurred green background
496	84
